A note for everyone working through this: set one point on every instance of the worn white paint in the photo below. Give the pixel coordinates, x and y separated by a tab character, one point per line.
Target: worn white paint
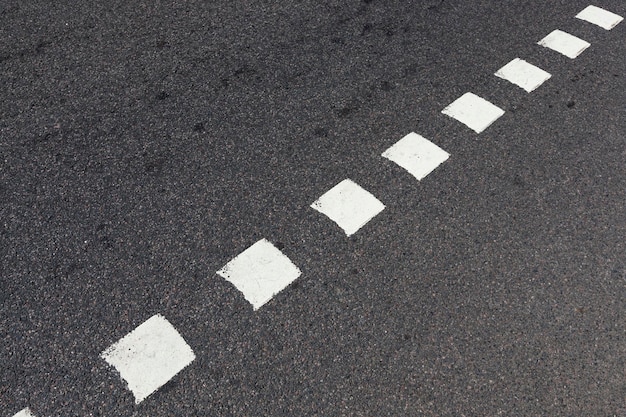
523	74
149	356
416	154
260	272
348	205
474	112
24	413
564	43
597	16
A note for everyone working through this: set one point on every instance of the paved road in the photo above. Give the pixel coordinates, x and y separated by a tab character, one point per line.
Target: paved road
144	145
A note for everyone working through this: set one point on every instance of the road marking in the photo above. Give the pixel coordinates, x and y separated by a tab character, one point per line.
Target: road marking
564	43
24	413
348	205
260	272
416	154
153	353
600	17
473	111
149	356
523	74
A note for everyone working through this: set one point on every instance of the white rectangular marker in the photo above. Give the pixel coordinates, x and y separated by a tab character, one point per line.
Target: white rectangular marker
474	112
523	74
564	43
348	205
260	272
416	154
24	413
149	356
600	17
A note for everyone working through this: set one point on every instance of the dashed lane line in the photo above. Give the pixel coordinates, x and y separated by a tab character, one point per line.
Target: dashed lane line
523	74
564	43
24	413
417	155
600	17
149	356
348	205
473	111
260	272
153	353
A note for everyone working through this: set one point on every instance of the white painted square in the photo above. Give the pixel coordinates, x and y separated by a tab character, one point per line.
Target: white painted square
600	17
564	43
474	112
416	154
24	413
149	356
260	272
348	205
523	74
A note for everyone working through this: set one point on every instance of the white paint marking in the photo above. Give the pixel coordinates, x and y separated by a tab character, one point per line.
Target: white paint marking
149	356
600	17
523	74
348	205
564	43
416	154
473	111
24	413
260	272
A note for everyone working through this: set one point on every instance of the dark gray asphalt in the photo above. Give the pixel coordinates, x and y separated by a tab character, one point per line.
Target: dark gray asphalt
145	144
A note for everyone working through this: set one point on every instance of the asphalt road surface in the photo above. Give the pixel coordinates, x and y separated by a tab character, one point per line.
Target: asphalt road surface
146	144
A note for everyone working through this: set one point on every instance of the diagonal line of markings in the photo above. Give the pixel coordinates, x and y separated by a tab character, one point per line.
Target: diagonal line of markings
154	352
